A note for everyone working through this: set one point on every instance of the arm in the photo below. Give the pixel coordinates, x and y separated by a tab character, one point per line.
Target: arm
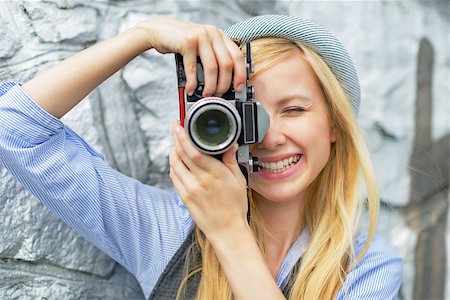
244	265
126	219
78	75
216	195
129	221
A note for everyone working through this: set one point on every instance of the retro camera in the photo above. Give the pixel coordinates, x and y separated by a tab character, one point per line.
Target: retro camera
214	124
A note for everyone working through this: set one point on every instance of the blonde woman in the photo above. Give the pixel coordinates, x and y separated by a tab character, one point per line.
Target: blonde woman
196	243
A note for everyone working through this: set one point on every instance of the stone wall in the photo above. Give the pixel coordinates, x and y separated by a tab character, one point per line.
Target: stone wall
401	52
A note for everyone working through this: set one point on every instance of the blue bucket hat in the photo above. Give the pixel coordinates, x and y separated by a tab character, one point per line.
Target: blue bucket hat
312	35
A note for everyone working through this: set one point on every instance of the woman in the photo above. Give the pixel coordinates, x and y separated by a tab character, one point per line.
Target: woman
301	241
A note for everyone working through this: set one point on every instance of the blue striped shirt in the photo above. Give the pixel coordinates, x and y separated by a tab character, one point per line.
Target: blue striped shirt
138	225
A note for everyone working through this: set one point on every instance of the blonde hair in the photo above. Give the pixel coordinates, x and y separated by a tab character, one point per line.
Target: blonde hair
330	214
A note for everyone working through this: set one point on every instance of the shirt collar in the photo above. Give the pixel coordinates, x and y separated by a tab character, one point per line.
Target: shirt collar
292	257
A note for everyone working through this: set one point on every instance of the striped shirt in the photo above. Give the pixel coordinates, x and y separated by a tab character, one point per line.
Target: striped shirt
139	226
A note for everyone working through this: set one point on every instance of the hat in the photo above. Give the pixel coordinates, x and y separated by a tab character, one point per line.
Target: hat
312	35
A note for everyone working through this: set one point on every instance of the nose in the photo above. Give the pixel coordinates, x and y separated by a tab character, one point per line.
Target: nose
273	138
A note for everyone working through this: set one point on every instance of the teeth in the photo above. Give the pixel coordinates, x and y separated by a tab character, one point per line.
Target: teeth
281	165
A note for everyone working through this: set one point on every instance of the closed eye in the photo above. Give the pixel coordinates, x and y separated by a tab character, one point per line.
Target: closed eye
293	110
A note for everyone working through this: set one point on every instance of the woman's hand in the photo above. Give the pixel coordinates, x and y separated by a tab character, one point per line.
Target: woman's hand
220	56
214	192
63	86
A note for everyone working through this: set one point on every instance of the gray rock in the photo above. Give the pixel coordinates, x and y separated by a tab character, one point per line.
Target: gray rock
56	24
10	39
130	116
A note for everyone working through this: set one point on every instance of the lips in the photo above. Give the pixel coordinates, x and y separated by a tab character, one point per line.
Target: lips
280	165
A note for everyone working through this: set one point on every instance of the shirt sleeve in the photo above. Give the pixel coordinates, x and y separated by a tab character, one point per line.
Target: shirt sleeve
139	226
377	276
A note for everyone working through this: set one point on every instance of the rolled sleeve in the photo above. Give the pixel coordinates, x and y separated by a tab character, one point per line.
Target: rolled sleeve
138	225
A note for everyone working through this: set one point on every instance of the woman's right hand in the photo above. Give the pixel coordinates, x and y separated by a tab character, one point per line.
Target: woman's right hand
221	58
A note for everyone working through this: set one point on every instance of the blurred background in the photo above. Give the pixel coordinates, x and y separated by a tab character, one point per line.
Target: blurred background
401	52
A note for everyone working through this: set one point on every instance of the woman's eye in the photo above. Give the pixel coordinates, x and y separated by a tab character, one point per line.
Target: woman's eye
293	110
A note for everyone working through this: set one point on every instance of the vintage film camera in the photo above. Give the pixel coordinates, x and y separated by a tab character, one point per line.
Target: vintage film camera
214	124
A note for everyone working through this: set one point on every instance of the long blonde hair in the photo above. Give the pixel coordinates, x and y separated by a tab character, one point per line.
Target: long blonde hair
330	214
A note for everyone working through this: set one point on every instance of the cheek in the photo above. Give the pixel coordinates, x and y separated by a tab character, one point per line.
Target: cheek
320	130
322	153
325	153
317	139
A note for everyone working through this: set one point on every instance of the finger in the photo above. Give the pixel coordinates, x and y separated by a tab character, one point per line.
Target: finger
184	178
196	161
181	156
239	68
185	183
225	62
177	165
209	64
178	184
190	69
186	197
230	161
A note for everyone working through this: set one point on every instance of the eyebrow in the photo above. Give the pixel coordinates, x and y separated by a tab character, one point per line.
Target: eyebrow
295	97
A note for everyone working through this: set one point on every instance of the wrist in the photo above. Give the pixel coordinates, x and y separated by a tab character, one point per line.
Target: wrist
152	30
143	35
232	236
245	266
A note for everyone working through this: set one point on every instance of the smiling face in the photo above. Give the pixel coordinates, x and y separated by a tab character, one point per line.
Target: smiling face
297	144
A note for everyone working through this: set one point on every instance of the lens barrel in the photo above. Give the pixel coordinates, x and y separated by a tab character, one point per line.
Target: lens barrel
213	124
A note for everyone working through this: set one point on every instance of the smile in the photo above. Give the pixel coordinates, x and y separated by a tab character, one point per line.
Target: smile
281	165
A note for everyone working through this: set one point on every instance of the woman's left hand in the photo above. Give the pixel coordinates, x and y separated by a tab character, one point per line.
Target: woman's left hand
214	192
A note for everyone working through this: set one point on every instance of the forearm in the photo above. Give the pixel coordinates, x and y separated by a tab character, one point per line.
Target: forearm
245	267
222	217
63	86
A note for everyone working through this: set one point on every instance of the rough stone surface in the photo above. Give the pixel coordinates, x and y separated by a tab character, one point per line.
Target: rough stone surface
128	118
9	35
56	24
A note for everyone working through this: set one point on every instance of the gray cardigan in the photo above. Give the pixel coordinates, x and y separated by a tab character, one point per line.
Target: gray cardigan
168	283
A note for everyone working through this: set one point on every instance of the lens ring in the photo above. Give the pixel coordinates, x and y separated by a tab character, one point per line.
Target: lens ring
213	124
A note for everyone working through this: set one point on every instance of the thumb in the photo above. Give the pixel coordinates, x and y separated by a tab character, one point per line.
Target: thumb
230	160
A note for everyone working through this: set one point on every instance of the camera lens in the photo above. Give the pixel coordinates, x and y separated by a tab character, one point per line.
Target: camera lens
213	124
213	127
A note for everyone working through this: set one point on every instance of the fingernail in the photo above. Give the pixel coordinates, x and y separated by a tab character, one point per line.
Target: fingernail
240	87
177	129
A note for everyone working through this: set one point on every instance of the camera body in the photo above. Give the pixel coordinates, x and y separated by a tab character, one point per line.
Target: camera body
214	124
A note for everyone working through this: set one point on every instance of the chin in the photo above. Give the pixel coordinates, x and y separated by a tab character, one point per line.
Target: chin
276	195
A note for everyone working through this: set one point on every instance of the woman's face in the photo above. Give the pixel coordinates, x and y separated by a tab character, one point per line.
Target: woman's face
297	144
